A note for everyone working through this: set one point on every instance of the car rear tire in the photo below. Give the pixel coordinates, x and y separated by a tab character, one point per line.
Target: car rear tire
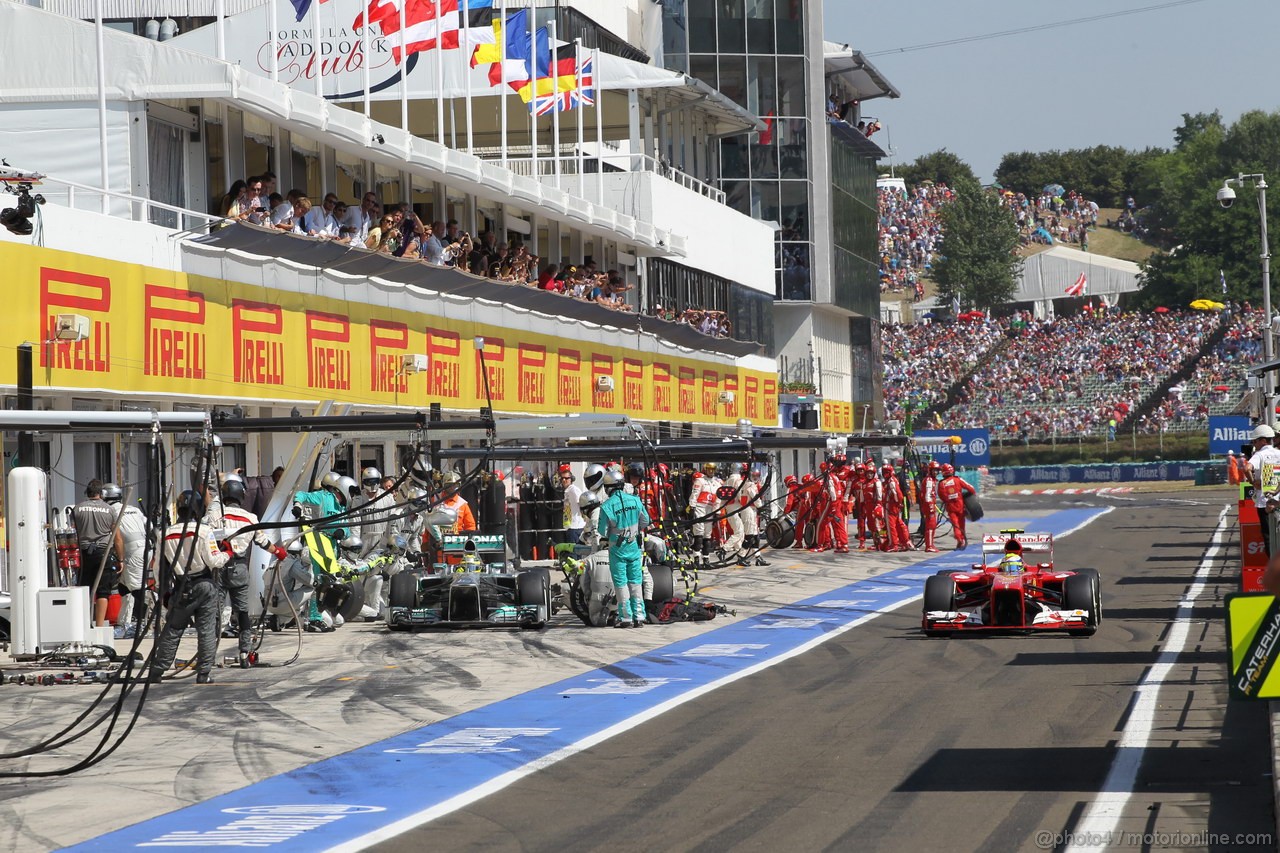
404	590
1080	592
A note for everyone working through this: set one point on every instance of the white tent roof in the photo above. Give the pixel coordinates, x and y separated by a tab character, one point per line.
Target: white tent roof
1047	275
139	69
856	72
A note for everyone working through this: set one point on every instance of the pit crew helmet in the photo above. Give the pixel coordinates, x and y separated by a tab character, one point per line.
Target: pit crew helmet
807	478
371	479
352	543
1011	564
948	470
613	481
709	468
789	480
233	489
347	489
887	469
934	467
189	505
330	480
112	493
1262	431
636	469
593	476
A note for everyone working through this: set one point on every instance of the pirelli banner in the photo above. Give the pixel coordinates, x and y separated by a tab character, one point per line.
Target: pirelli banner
228	338
837	416
1253	637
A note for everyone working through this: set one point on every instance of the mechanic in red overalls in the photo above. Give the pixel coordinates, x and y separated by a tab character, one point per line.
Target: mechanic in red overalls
853	500
899	535
837	526
952	490
928	499
872	509
805	499
821	510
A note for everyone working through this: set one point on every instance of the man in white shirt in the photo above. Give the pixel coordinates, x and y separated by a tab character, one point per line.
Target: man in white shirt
359	219
1263	470
433	247
319	222
574	521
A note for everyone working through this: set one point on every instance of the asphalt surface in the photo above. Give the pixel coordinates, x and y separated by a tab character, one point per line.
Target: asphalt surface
884	740
878	739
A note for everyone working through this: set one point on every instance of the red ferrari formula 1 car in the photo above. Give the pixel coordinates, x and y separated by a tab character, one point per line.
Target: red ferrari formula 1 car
1015	587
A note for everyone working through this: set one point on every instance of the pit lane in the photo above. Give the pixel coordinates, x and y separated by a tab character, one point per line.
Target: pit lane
874	738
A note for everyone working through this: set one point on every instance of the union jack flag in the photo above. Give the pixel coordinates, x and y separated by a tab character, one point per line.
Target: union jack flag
583	96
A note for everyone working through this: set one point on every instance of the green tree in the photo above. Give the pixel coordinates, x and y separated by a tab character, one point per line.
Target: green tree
941	167
979	262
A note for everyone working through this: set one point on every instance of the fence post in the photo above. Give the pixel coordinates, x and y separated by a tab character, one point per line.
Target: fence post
1135	442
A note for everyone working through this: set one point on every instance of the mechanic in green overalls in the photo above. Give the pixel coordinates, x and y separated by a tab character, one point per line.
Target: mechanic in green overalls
321	540
623	521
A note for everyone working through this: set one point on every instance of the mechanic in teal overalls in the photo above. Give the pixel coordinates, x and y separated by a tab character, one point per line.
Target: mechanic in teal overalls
623	521
322	540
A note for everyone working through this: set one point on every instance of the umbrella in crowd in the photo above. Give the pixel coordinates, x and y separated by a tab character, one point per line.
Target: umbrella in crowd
1055	189
1222	387
1207	305
1162	310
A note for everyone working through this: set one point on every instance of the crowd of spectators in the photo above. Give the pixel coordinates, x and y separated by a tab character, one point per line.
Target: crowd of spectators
1218	383
397	231
923	361
910	234
1050	217
713	323
1074	374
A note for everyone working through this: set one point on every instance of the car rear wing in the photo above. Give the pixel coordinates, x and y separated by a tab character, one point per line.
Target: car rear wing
1030	542
456	543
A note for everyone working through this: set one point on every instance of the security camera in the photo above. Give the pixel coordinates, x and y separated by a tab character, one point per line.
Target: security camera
1226	196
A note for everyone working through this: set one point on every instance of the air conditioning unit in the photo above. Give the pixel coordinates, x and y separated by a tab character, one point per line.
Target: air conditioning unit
604	384
726	398
71	327
413	363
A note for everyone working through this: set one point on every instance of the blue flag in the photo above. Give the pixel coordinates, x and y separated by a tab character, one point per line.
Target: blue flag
302	6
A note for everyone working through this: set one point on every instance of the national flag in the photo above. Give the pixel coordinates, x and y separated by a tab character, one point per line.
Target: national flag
955	304
1080	287
567	99
1222	277
560	77
302	7
427	23
510	38
766	135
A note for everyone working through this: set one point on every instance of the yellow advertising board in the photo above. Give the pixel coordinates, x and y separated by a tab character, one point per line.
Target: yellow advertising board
164	332
836	416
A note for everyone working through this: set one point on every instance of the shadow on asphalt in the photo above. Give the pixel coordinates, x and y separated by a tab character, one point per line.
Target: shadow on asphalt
1105	658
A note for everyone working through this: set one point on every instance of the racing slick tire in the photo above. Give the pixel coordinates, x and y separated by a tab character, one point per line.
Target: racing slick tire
811	536
664	587
533	589
939	594
973	508
1081	592
404	590
780	533
1097	590
354	601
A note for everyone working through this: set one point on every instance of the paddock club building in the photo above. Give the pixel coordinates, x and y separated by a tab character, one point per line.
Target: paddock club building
133	297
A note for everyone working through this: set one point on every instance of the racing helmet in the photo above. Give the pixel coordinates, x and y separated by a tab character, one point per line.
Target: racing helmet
737	468
664	470
593	476
613	481
450	482
352	543
471	562
636	469
709	468
789	480
806	479
869	471
233	489
371	479
887	469
330	480
416	497
934	467
1011	564
189	505
948	470
346	489
111	493
823	467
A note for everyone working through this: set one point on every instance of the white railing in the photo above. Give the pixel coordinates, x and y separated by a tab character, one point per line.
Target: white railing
592	165
140	209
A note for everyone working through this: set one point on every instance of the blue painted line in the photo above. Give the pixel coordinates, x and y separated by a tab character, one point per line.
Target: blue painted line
359	797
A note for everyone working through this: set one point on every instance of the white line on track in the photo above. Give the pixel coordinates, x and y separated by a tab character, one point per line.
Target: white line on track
1097	828
483	790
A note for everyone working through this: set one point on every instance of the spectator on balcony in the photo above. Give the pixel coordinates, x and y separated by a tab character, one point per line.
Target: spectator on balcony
301	209
383	237
359	220
432	250
282	209
547	278
228	203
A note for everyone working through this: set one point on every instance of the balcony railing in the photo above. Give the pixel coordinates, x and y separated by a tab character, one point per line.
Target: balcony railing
545	167
85	197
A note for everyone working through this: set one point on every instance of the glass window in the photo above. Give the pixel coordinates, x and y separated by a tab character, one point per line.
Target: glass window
760	26
794	272
675	32
791	75
793	198
738	196
733	78
762	86
213	157
793	147
704	69
764	158
733	29
733	157
702	26
764	201
790	26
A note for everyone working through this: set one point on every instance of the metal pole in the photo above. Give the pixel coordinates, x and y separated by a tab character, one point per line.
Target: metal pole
504	34
599	99
315	49
439	77
555	107
26	403
1268	339
464	55
102	107
275	44
364	63
404	88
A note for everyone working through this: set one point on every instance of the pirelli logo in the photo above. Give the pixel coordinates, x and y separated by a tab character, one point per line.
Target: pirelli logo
67	292
175	338
257	333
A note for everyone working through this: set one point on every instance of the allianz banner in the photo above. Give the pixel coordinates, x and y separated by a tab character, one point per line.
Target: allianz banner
974	448
1099	473
1228	432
